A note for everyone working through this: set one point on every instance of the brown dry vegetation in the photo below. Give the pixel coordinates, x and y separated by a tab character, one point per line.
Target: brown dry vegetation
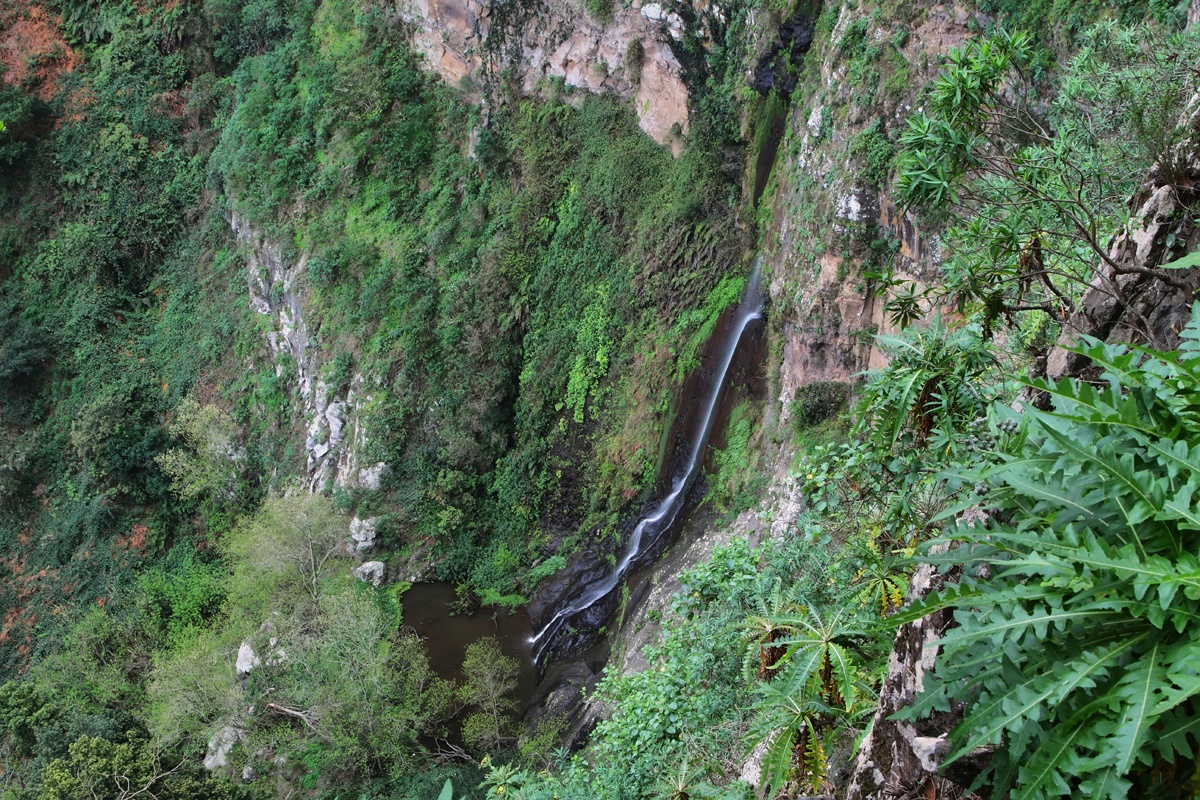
32	51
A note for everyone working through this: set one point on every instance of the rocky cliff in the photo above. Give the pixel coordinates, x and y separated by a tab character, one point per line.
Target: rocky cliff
830	224
627	51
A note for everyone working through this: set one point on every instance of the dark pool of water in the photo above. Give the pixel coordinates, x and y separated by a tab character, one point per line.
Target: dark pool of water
427	610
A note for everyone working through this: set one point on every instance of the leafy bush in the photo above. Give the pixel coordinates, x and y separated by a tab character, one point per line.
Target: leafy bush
209	464
1079	655
600	9
875	151
286	550
1027	244
936	380
24	349
491	678
813	403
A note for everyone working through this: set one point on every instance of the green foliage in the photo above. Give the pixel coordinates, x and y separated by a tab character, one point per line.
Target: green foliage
287	548
1090	680
179	602
818	683
814	403
600	9
862	55
104	770
23	353
55	748
880	584
208	465
1042	193
1066	20
933	381
504	780
875	151
245	29
331	677
491	678
592	353
737	481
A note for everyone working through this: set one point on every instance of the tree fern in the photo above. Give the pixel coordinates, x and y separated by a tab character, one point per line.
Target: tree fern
1080	654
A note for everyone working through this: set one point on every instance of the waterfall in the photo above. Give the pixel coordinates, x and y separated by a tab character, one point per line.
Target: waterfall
666	511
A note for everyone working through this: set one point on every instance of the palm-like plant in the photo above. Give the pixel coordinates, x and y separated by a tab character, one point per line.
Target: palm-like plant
685	783
818	685
878	584
819	653
763	630
933	380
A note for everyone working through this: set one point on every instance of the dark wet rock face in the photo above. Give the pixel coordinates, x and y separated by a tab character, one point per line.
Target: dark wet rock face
778	67
583	569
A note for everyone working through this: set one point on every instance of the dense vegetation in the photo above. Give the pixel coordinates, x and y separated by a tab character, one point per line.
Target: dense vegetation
508	296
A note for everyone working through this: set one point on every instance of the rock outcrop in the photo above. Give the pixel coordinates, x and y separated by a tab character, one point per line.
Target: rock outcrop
221	745
1131	298
827	222
335	434
471	42
363	533
898	757
371	572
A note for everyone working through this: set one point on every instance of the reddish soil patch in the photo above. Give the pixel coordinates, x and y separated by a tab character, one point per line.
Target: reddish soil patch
32	51
20	620
134	541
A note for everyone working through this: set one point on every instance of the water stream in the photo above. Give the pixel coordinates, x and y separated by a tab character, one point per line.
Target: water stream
664	513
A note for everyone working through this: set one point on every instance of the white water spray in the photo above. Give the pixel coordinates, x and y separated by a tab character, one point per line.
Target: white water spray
665	512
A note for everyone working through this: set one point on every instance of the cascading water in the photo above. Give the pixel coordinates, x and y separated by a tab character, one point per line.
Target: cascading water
665	512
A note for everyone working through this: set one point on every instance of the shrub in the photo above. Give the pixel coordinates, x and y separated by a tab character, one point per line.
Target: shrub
209	464
875	151
24	350
813	403
600	9
635	58
491	678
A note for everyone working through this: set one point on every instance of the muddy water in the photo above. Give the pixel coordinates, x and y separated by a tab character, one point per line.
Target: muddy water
426	608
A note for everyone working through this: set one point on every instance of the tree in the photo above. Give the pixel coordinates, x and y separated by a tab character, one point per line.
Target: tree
290	545
101	770
491	679
366	689
193	689
1044	186
210	461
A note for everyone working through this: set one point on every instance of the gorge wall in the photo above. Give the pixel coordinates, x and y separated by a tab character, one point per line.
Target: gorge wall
627	52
